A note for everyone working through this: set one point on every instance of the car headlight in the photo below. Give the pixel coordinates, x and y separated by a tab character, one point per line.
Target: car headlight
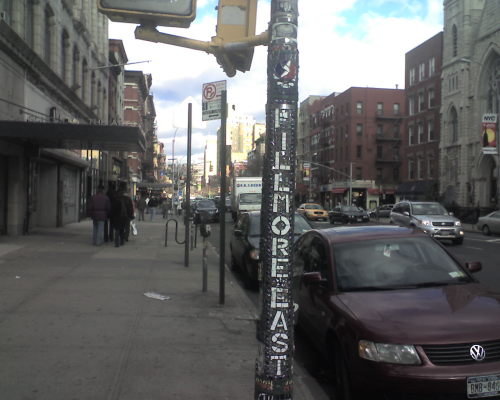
254	254
426	223
389	353
458	223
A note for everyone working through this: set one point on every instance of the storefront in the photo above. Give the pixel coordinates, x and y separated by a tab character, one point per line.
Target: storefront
44	175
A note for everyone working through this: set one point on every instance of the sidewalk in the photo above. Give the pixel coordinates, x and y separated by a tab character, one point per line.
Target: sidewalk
75	322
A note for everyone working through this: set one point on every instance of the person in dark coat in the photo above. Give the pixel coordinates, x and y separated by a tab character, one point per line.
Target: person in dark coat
122	212
141	206
99	209
108	225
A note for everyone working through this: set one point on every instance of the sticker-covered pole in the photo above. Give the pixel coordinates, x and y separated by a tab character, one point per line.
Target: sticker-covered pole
274	367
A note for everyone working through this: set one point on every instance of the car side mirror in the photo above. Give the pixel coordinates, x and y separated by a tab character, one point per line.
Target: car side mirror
238	233
451	213
474	266
406	213
313	278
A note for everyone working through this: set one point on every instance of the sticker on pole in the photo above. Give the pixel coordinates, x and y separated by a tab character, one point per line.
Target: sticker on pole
211	100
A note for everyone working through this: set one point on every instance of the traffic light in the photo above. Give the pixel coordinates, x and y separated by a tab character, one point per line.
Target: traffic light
177	13
236	20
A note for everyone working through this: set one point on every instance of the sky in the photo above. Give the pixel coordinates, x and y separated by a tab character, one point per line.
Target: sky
342	44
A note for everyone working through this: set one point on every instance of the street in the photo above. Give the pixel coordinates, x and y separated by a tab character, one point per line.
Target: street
476	247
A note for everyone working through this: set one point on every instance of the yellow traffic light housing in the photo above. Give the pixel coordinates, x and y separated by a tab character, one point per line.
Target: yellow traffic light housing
176	13
236	20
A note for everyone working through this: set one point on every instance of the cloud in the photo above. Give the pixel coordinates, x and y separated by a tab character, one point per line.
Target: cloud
341	44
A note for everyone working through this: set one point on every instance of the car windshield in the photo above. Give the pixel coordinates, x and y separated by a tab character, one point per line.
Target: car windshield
206	204
428	209
250	198
394	263
300	225
349	209
313	207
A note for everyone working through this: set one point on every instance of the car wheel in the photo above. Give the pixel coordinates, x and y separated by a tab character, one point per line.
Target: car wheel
486	230
458	241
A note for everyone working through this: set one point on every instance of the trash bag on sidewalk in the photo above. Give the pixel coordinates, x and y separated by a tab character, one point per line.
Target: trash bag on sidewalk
133	227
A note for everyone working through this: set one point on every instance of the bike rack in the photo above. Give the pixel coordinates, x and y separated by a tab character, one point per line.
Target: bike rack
176	230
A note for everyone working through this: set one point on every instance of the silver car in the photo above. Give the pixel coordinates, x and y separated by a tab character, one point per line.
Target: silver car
429	216
489	223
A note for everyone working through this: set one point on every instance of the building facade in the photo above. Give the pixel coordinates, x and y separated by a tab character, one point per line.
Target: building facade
422	126
54	112
469	176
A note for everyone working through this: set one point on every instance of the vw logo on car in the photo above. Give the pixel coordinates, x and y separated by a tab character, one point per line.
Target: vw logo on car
477	352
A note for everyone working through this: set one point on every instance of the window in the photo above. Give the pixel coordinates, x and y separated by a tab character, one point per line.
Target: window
75	70
359	107
395	131
454	125
412	76
379	174
395	174
421	102
432	66
430	167
430	130
47	42
454	40
420	168
430	96
380	152
380	130
421	136
396	109
421	72
64	55
359	151
411	169
380	108
29	22
359	173
411	105
6	9
359	129
411	136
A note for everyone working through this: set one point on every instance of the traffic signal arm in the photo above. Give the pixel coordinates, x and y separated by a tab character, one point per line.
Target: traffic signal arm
223	51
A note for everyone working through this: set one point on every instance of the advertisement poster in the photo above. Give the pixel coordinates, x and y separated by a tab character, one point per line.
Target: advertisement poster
488	134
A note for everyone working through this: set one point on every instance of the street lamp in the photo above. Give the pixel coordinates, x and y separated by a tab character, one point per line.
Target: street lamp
341	173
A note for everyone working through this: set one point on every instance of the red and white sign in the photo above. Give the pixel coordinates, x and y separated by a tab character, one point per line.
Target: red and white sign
211	106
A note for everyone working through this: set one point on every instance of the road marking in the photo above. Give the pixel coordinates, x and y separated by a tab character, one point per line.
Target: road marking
493	241
474	248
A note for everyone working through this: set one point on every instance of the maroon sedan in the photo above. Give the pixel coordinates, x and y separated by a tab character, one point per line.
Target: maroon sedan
397	315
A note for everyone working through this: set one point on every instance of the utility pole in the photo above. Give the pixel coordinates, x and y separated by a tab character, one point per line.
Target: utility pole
274	366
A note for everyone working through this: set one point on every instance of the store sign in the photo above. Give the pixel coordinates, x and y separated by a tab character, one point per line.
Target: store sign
489	133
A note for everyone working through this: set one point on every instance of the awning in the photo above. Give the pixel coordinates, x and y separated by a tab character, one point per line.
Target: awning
415	187
74	136
389	191
339	190
373	191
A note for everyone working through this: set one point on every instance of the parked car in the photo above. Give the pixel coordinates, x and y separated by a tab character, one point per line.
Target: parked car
397	314
347	214
313	211
207	208
490	223
431	217
245	242
383	211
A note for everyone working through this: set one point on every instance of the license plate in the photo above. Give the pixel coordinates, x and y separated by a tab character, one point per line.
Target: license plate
483	386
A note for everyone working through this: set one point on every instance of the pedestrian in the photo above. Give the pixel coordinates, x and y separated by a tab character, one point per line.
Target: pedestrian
122	212
141	206
99	209
179	207
152	205
108	225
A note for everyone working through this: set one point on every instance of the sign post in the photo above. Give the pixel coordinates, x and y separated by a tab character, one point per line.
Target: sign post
274	366
211	100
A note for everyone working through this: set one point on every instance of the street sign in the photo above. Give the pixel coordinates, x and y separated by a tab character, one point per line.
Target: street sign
211	104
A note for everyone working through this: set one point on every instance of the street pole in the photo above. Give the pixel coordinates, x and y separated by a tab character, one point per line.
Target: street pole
173	173
222	198
350	183
187	216
274	365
